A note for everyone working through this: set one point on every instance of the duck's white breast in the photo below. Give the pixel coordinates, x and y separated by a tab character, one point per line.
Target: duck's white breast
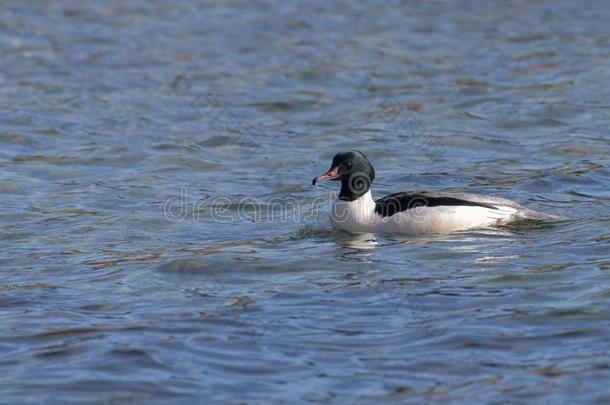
354	216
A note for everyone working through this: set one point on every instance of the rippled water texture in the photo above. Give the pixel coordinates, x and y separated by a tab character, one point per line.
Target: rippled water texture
161	240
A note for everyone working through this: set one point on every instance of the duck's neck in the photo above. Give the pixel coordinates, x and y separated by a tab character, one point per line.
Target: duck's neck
352	192
355	214
363	204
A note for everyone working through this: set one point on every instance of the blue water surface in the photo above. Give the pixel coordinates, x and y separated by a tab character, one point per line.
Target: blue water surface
160	240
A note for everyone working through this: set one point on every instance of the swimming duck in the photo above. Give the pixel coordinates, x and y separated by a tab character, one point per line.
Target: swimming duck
416	212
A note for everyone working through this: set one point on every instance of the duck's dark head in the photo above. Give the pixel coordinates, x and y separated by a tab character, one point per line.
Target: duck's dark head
355	172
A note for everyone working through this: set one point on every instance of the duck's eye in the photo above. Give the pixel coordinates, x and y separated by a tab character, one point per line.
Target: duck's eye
348	165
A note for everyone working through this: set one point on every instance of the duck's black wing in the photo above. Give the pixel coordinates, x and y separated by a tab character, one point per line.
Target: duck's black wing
399	202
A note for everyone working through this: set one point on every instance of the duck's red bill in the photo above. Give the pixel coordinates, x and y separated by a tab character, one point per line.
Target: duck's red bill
332	174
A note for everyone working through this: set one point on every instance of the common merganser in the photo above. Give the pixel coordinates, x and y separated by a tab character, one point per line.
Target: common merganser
415	213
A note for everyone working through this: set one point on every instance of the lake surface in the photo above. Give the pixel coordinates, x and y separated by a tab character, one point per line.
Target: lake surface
160	240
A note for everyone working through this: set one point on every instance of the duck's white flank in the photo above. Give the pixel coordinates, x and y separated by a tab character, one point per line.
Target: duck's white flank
360	216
